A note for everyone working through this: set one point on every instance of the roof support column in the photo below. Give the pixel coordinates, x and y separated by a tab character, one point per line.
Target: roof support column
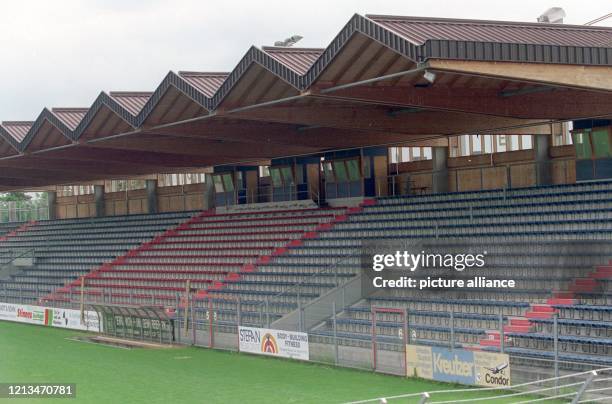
52	204
542	158
439	181
151	186
209	193
99	200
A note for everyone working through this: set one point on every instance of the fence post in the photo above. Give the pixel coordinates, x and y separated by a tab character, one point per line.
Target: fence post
336	357
452	331
299	306
556	347
502	337
260	310
177	301
239	313
193	325
267	313
406	326
424	398
336	275
583	388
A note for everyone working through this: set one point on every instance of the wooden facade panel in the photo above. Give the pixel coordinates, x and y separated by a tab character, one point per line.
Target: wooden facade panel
494	178
452	181
83	210
119	208
71	212
163	204
380	173
420	181
313	176
564	172
137	206
469	180
523	175
194	201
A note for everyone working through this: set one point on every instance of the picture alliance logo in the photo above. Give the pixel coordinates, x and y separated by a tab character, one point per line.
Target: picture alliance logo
406	260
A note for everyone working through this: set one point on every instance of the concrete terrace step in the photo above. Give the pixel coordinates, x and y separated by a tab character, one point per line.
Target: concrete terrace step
540	311
517	328
557	300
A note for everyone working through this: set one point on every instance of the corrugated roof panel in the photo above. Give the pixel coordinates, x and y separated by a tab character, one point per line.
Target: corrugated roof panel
297	59
207	83
71	117
419	29
133	101
17	129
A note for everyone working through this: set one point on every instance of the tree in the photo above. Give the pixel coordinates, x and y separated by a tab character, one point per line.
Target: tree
14	197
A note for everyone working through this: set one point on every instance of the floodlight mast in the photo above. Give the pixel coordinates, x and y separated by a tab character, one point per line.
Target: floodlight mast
292	40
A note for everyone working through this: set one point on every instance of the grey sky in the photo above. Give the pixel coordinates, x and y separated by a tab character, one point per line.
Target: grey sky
63	53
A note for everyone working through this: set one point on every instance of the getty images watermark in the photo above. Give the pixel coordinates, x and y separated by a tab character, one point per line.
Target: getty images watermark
432	266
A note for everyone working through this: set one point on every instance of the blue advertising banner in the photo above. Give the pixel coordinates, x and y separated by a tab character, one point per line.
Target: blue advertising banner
453	367
458	366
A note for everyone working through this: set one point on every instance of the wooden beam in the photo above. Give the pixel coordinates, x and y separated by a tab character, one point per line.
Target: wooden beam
597	78
559	104
377	119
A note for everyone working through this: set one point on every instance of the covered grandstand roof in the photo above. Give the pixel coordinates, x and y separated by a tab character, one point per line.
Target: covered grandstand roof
419	30
366	88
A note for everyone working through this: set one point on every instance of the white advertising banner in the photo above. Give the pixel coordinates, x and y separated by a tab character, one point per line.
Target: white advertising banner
284	344
49	316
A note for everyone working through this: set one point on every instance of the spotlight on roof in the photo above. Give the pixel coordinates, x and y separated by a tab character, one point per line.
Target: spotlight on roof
292	40
553	15
429	76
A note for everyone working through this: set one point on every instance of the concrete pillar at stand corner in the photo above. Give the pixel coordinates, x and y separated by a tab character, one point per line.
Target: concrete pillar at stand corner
151	187
98	201
439	182
542	160
52	204
209	193
12	211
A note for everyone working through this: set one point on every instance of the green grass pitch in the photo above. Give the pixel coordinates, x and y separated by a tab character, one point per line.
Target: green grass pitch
106	374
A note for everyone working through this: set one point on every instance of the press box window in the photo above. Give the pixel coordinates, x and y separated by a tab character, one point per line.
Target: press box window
223	183
601	143
281	176
328	171
583	145
342	170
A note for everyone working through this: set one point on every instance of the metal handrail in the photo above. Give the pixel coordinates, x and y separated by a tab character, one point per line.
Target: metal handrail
427	395
301	283
255	195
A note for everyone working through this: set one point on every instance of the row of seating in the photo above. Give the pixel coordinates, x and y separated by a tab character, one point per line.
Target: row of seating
209	251
550	240
64	250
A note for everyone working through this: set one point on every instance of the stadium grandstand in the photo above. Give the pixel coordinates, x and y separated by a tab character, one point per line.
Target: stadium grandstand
220	203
